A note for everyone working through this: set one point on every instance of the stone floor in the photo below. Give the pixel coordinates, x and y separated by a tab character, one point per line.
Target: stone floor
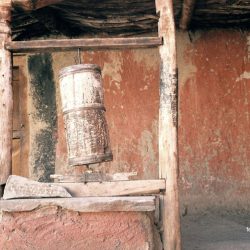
216	230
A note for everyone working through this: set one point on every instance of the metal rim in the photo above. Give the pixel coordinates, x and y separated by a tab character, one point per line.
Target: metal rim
91	159
79	68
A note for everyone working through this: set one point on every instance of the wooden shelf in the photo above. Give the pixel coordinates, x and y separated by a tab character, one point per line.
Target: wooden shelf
114	188
86	204
84	44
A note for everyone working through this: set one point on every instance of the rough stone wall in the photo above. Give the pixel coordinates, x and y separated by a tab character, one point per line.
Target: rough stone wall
51	228
214	109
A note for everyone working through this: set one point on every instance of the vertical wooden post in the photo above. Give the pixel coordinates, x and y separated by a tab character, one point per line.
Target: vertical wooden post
168	154
6	100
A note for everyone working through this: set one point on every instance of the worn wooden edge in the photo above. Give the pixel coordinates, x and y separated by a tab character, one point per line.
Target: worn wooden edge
115	188
86	204
85	44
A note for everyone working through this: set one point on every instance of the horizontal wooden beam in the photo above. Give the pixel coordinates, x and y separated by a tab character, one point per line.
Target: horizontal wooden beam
86	204
84	44
114	188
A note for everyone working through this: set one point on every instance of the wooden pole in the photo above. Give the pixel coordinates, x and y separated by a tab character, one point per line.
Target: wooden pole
187	11
6	101
168	155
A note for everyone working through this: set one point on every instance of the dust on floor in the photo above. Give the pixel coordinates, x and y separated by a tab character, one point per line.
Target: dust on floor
211	230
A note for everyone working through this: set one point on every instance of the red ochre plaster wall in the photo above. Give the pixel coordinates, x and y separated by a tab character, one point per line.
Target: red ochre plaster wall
214	122
214	139
131	93
214	92
51	228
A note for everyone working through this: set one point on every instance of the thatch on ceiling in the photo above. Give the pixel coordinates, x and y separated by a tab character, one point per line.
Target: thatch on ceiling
217	13
73	18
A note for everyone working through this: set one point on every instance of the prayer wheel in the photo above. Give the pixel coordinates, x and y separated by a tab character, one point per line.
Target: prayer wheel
84	114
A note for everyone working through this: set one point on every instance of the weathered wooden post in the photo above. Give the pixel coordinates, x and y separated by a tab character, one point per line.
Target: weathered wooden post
168	153
6	100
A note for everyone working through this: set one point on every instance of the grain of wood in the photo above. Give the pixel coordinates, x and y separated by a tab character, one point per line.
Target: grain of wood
114	188
84	114
86	204
6	100
168	154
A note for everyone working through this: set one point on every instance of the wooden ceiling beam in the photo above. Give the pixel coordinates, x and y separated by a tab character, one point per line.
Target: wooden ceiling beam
29	5
187	12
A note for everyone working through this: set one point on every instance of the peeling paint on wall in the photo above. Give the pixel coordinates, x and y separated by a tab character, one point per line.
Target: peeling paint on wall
214	139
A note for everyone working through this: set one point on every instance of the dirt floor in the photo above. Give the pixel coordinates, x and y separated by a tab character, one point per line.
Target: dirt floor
215	230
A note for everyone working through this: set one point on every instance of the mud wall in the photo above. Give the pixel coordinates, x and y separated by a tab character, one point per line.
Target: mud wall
130	80
214	92
214	108
51	228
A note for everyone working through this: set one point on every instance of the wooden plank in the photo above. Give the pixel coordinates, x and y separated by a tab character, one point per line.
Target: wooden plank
168	154
114	188
85	44
86	204
93	177
6	100
21	187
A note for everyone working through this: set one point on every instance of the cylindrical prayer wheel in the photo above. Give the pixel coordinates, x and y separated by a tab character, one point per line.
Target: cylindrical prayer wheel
84	114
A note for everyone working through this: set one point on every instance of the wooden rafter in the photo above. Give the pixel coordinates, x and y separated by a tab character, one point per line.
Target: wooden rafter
187	11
